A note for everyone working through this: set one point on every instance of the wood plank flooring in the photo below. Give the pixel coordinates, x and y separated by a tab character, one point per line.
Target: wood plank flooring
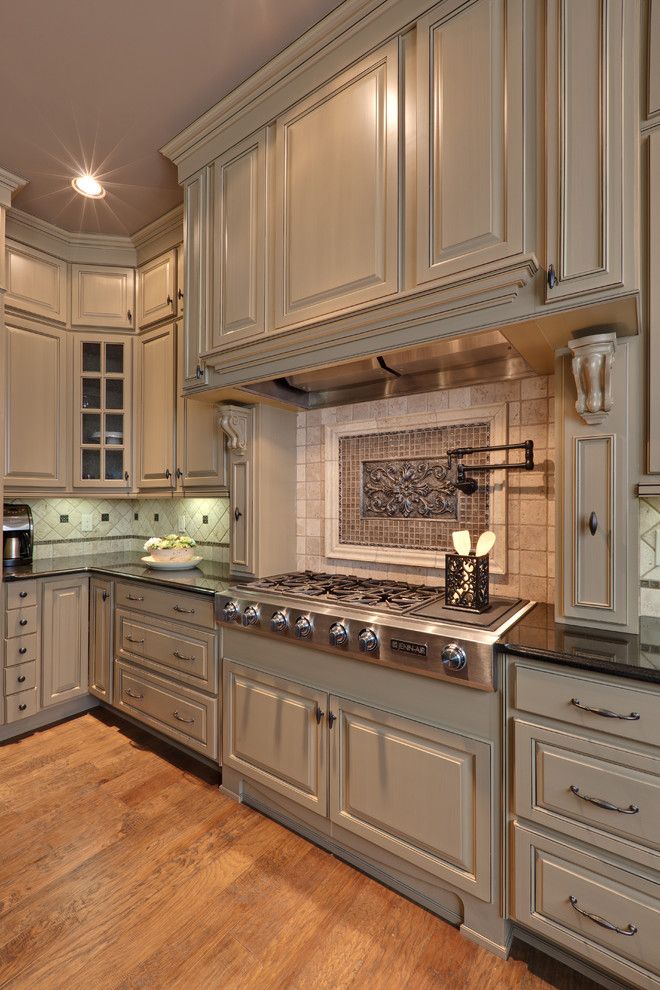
123	867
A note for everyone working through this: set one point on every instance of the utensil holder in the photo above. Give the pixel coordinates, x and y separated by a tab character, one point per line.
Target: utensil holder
466	582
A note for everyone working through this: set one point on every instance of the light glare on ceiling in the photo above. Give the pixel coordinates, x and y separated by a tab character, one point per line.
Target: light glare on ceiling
87	185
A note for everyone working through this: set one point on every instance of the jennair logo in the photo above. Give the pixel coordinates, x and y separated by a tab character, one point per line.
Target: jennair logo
403	646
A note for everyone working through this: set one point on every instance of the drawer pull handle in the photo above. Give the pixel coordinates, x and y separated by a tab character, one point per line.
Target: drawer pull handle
23	594
137	641
182	656
134	598
132	694
629	930
632	809
23	650
22	622
22	707
180	718
21	679
186	611
604	713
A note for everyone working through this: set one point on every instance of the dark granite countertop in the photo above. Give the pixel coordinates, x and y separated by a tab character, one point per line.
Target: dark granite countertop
209	578
539	637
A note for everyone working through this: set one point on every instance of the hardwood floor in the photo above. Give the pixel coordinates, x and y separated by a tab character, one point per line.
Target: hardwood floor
122	866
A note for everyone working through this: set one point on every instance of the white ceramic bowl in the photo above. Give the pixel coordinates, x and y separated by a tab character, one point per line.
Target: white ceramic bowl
180	554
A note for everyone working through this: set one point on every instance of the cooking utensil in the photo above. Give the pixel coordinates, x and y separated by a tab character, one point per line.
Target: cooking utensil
462	542
485	543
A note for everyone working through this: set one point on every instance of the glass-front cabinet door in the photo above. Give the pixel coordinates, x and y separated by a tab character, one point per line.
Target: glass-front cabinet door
102	452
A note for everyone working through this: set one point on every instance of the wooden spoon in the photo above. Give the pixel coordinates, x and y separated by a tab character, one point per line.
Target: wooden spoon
462	542
485	543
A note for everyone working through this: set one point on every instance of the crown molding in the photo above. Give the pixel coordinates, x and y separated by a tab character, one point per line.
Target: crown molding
9	183
160	235
102	249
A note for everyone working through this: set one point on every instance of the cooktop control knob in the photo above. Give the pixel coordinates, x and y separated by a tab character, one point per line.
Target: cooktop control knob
231	612
251	615
368	641
303	627
454	656
278	622
338	634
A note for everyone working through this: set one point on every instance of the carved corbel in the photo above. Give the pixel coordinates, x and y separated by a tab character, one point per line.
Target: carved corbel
593	357
234	422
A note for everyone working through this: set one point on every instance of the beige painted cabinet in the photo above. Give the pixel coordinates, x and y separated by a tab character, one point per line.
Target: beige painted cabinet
654	301
156	290
155	407
197	287
336	195
100	638
200	461
36	408
102	297
470	147
37	283
64	645
653	98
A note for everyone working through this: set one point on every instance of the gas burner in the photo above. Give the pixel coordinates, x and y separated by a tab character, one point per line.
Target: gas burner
395	596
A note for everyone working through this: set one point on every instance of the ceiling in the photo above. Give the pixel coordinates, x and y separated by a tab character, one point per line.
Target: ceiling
101	87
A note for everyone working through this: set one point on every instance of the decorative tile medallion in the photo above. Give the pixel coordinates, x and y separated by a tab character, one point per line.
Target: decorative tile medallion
408	489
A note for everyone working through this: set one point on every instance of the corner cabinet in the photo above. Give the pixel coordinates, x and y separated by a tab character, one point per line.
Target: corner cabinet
64	647
103	297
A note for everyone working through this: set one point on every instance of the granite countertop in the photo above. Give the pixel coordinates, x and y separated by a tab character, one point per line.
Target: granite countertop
539	637
209	578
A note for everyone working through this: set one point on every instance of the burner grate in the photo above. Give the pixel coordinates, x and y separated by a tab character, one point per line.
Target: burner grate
395	596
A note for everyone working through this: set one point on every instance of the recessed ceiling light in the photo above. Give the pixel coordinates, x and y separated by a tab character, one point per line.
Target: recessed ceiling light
87	185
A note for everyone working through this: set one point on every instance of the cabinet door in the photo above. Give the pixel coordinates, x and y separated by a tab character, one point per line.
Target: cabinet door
100	638
275	733
180	270
419	792
469	137
654	302
585	146
64	648
200	446
36	282
240	236
156	290
36	408
155	402
653	100
336	196
102	297
196	290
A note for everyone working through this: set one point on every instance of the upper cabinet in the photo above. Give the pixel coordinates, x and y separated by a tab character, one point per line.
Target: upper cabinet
195	297
102	297
36	283
156	290
653	96
155	407
336	194
470	202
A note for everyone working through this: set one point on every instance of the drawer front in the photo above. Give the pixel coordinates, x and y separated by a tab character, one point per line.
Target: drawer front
21	621
22	677
178	712
21	649
619	710
21	593
574	785
21	705
557	888
183	606
187	656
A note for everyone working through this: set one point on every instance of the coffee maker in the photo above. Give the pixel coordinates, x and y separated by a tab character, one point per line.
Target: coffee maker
17	534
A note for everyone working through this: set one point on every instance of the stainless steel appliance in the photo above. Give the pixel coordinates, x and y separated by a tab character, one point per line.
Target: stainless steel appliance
393	623
17	534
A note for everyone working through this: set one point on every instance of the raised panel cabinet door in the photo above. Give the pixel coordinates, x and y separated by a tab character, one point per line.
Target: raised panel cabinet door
155	403
200	446
36	438
653	107
275	732
100	638
64	646
336	196
156	289
585	182
241	514
240	236
36	282
470	137
196	285
180	275
102	297
654	300
419	792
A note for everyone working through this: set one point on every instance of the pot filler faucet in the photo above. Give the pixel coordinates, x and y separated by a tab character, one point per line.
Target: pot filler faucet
469	485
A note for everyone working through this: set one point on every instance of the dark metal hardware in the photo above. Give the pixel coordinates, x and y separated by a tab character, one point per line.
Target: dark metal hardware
179	473
604	712
23	650
182	656
23	622
180	718
319	715
138	642
135	598
332	718
632	809
199	371
132	694
23	594
22	707
469	485
126	475
237	513
104	596
168	473
593	523
186	611
629	930
170	301
552	277
21	679
179	294
130	316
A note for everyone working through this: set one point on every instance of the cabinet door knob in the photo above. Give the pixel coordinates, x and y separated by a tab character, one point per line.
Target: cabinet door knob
199	371
332	718
22	622
552	277
593	523
21	679
104	596
22	707
319	715
126	476
237	513
23	594
130	316
179	473
168	473
170	301
23	650
180	294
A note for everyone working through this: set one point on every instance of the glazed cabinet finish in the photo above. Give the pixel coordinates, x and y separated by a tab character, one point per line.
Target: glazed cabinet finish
336	197
470	148
102	297
100	638
155	413
156	290
197	287
653	100
64	645
654	293
200	452
36	283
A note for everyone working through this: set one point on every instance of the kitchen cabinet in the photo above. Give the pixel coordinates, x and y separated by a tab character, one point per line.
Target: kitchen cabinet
100	638
102	297
197	285
155	407
36	408
336	193
240	225
180	275
654	303
37	283
102	412
64	639
156	290
201	462
19	689
653	98
470	140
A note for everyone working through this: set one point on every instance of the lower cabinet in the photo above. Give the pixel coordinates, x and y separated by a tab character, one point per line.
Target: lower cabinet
64	639
100	638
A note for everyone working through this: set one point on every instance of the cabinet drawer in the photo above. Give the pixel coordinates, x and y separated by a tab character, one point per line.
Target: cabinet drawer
620	710
21	593
21	649
21	621
21	705
194	609
178	712
189	656
577	786
556	882
22	677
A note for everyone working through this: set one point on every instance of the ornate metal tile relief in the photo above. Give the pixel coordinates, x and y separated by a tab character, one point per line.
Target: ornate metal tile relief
408	489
